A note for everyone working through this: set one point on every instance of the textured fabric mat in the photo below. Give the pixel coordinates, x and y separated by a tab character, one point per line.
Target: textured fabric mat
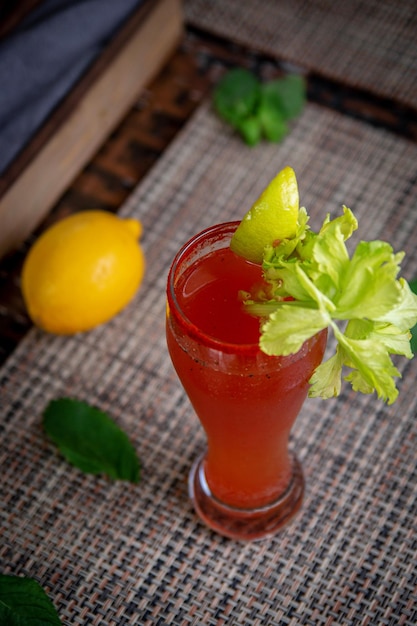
370	44
119	554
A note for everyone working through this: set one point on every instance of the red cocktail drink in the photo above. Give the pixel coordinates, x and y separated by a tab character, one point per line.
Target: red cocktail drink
248	484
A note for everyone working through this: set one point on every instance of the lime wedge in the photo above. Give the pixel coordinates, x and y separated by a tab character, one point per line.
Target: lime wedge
272	217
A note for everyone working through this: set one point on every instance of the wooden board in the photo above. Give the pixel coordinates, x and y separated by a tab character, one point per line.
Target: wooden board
37	178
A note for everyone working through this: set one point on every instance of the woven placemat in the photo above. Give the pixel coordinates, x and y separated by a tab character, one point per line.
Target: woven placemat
369	44
119	554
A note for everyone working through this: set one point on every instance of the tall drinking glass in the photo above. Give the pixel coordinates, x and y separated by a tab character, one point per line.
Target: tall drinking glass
248	484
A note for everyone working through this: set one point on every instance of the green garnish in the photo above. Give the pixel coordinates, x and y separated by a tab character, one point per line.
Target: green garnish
23	602
90	440
331	289
257	109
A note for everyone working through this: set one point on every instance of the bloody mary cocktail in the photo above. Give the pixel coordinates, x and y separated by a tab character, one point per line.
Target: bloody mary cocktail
248	484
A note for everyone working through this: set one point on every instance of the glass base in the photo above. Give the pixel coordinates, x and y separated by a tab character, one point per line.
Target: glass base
244	524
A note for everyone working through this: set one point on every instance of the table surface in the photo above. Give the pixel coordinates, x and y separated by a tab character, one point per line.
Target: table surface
115	554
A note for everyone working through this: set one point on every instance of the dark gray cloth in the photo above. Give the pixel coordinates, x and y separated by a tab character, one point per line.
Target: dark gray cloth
42	59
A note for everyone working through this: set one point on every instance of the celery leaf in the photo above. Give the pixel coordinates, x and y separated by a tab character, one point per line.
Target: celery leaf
329	287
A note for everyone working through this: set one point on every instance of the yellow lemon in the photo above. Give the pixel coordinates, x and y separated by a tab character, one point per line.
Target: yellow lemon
82	271
272	217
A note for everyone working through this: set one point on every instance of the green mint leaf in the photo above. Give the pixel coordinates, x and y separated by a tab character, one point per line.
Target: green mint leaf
331	288
281	100
237	95
23	602
90	440
273	125
286	95
250	129
258	109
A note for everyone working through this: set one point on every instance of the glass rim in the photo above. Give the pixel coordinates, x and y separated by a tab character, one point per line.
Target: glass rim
173	304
